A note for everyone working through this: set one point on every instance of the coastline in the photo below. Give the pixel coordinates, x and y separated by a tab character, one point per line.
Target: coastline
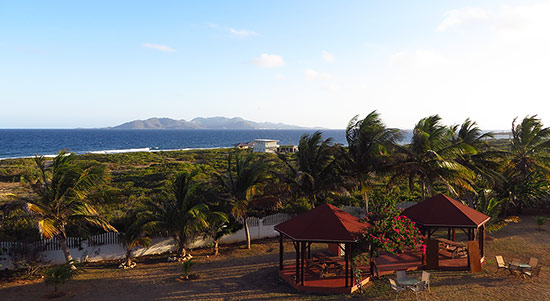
26	143
121	151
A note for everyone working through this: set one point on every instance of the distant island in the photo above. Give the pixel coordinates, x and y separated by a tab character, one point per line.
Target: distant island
200	123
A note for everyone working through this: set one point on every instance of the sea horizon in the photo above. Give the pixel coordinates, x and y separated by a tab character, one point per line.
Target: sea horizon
25	143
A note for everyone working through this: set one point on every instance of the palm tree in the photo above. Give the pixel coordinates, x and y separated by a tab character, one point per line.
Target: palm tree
314	172
218	226
63	189
181	213
527	173
530	146
477	156
430	159
370	144
60	274
133	235
242	179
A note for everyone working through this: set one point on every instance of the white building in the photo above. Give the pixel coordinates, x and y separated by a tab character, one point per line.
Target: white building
287	149
265	146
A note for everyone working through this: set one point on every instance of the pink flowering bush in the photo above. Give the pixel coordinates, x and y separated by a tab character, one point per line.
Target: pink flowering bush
394	235
390	232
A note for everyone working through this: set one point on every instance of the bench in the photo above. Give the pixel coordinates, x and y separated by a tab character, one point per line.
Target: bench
455	248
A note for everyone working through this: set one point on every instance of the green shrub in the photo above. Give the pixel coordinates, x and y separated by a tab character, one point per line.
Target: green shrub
60	274
186	268
540	220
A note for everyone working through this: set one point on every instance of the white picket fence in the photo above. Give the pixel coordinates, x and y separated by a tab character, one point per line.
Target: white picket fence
106	246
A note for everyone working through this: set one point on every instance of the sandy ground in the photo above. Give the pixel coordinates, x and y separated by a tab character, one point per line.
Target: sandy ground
252	275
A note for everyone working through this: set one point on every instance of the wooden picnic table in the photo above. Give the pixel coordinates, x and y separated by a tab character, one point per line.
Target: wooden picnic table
328	264
326	259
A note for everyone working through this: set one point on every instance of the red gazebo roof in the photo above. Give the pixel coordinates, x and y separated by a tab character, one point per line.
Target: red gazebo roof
324	223
443	211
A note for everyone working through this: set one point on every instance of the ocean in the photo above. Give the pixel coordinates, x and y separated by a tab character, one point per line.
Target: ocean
17	143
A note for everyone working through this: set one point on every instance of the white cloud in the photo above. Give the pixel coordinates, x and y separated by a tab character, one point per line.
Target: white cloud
523	22
490	71
280	76
327	56
243	33
458	17
268	61
421	58
159	47
333	88
313	75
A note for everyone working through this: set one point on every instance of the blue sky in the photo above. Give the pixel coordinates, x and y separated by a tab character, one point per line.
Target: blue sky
67	64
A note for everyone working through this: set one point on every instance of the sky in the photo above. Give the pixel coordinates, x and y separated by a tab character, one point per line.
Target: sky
71	64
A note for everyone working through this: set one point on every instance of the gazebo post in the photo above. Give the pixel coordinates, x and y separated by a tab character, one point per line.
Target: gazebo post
481	238
303	255
297	262
281	251
454	235
346	258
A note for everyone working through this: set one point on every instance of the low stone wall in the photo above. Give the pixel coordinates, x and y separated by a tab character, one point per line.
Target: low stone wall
259	228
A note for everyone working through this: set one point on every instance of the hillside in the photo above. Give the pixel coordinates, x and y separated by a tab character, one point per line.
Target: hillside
210	123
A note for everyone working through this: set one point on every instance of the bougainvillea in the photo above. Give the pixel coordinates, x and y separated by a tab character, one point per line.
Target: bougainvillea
394	235
390	232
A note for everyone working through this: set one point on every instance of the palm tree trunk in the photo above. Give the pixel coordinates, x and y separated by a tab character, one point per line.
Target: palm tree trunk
63	244
181	252
411	183
128	257
364	195
423	187
246	232
366	199
216	247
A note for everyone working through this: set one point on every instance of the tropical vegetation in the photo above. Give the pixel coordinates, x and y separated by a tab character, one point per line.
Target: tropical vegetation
195	194
181	212
133	235
242	181
59	275
62	191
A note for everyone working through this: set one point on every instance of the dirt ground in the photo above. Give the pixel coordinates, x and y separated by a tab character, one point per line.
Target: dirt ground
235	274
252	275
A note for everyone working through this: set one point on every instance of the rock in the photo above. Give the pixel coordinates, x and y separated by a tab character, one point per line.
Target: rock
180	259
124	266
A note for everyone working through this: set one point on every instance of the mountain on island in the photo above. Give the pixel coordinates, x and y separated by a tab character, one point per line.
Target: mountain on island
200	123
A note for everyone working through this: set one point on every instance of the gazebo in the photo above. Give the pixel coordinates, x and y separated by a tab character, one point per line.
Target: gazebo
442	211
323	224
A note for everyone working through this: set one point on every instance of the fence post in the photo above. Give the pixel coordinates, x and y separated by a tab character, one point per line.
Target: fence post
260	224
